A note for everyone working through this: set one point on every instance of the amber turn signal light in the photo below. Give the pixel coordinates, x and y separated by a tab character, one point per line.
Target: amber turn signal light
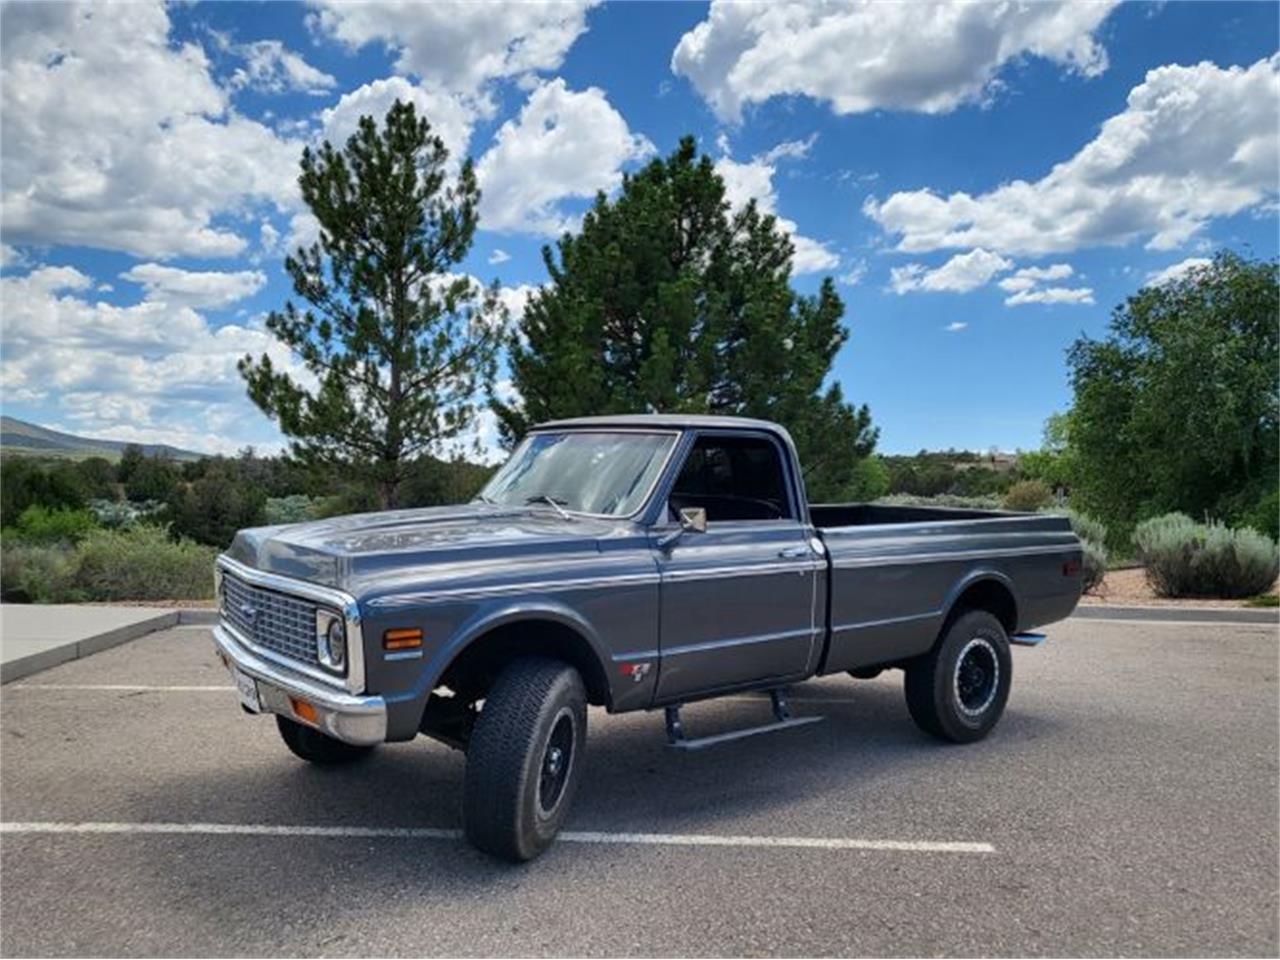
303	710
402	639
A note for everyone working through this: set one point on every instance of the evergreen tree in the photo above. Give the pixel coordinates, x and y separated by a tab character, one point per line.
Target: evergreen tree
401	347
668	301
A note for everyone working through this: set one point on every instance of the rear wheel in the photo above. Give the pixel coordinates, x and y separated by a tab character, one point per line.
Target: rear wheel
524	759
315	747
958	691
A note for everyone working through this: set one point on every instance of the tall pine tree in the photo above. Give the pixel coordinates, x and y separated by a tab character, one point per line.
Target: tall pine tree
402	349
668	301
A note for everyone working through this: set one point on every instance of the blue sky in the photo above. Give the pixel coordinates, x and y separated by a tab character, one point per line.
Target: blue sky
985	181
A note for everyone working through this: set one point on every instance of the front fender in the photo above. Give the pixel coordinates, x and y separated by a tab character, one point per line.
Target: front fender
488	619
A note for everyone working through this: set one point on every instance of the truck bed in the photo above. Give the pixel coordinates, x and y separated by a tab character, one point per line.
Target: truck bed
894	571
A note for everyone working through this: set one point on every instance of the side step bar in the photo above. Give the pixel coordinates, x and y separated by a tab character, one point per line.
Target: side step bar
1027	639
783	720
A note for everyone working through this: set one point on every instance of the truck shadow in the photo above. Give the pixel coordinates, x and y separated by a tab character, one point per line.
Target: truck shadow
632	781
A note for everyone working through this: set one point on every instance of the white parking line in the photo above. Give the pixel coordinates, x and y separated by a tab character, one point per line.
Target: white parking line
435	833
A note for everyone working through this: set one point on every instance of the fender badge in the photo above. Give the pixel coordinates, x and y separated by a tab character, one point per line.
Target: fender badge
636	671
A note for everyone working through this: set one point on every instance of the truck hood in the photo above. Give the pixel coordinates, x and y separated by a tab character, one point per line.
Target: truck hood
346	552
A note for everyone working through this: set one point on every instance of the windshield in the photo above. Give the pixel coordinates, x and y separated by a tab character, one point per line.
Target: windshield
583	471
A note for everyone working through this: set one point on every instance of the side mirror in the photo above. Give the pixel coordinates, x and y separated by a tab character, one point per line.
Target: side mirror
692	520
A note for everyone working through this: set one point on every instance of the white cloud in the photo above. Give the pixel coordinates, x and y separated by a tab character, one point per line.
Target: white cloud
198	289
460	46
452	117
499	256
856	273
1068	295
10	256
1177	271
1192	144
563	144
271	68
1028	286
753	180
960	274
114	135
1028	277
955	326
928	57
516	298
147	371
811	256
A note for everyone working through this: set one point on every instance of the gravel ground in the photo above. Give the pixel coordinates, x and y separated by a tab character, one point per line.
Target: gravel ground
1128	797
1130	588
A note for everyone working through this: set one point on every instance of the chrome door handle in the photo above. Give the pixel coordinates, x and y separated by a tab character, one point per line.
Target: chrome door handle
795	553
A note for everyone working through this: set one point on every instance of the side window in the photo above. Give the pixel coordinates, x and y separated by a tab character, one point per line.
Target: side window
733	478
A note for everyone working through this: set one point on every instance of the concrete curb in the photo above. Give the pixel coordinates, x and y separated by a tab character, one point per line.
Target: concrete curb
201	616
75	649
1183	614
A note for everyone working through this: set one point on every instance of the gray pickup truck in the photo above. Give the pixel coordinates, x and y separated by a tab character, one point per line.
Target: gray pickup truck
632	563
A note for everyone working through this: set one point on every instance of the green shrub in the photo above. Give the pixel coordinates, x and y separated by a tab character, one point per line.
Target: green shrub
1028	496
295	508
143	563
1265	516
38	573
213	508
870	479
38	524
1188	559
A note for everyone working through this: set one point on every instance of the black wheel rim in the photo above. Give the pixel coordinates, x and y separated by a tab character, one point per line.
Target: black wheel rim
557	759
977	676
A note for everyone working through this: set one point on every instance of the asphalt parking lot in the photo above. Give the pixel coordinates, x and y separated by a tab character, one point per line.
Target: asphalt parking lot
1126	804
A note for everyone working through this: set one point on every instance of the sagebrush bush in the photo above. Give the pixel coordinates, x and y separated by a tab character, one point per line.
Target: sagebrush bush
38	573
940	500
295	508
1028	495
143	563
1093	538
1188	559
38	524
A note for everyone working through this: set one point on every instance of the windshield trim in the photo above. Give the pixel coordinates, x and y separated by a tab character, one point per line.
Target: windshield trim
657	477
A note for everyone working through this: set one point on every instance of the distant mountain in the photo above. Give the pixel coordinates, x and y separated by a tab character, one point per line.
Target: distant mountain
18	436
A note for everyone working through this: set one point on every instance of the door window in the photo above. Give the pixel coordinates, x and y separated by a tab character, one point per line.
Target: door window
733	478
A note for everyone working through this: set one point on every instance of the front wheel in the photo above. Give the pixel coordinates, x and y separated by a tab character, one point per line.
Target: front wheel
524	759
958	691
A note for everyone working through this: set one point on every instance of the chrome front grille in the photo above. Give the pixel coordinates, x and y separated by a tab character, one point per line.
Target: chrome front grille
274	621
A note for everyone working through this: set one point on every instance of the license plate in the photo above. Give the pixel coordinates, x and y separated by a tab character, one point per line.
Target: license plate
247	689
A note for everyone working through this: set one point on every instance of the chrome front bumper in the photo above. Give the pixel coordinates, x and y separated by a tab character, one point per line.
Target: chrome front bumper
360	720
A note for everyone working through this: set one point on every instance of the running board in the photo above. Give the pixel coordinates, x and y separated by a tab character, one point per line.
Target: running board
1027	639
782	721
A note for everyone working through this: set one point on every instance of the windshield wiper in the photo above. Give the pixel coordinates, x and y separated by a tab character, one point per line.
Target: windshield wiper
482	498
546	498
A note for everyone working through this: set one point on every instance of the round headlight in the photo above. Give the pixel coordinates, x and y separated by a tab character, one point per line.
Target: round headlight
336	641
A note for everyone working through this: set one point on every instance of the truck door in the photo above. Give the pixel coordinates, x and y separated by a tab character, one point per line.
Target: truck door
738	601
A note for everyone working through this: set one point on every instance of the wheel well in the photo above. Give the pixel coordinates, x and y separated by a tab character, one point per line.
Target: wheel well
473	671
990	595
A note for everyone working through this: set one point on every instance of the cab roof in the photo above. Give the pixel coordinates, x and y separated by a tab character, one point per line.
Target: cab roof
663	421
